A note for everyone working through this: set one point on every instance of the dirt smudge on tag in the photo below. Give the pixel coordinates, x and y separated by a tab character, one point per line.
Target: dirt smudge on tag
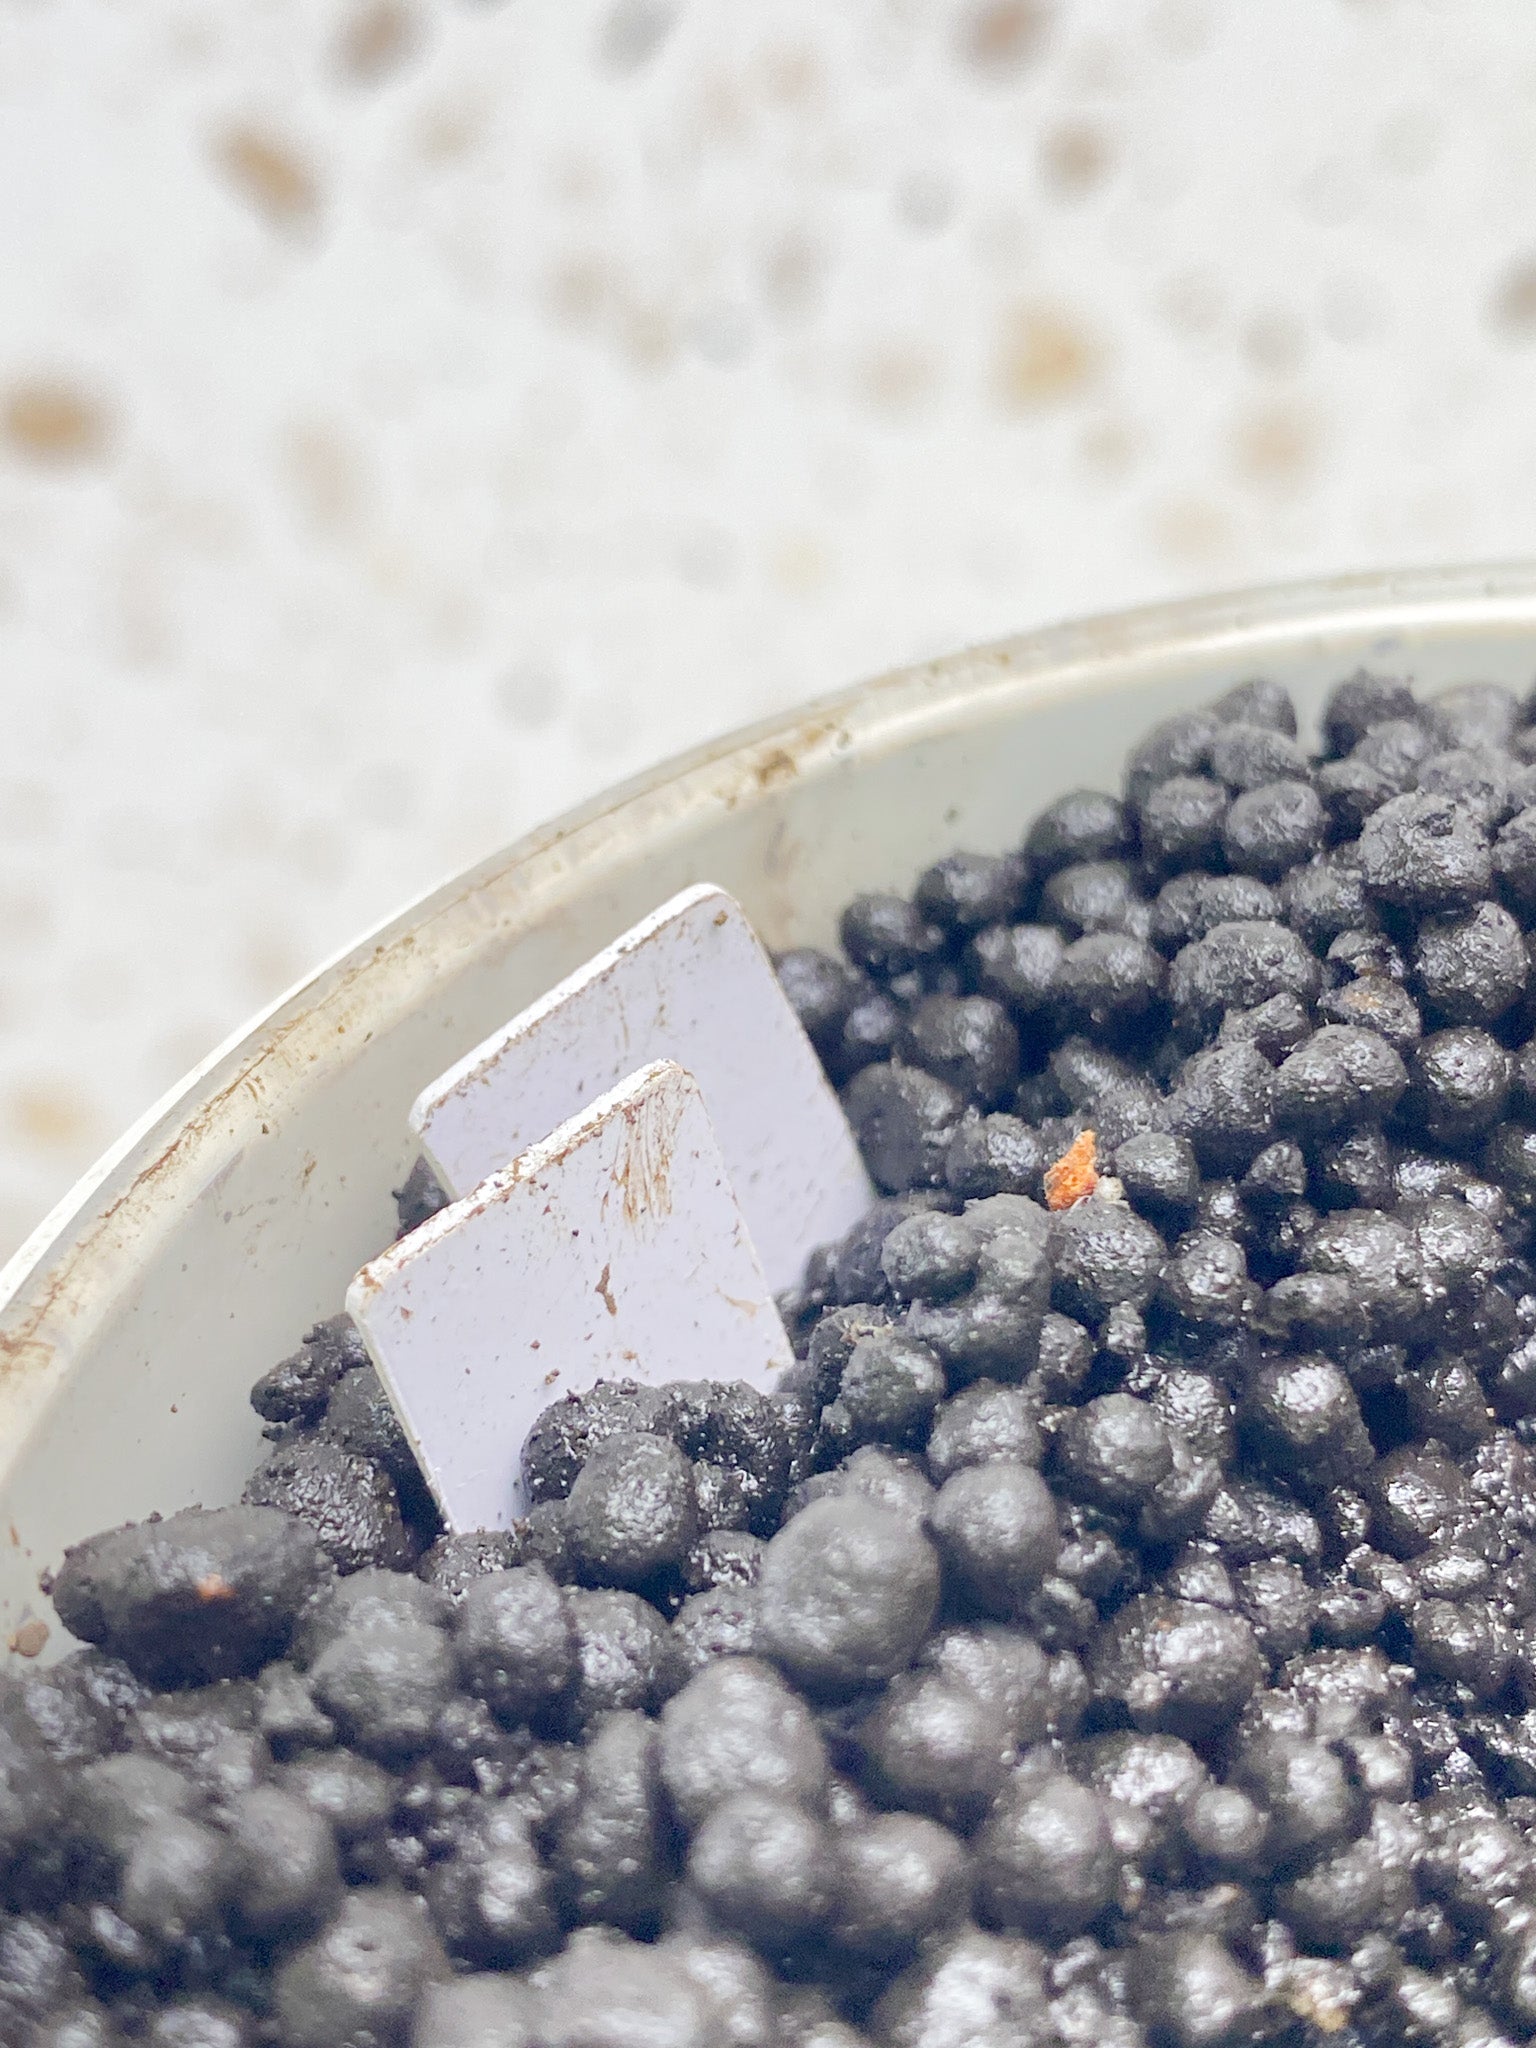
605	1289
643	1173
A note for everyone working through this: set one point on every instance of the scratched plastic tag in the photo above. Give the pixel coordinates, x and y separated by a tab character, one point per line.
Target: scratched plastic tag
612	1249
690	983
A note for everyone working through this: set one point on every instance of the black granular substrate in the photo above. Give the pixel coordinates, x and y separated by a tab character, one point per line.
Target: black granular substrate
1119	1628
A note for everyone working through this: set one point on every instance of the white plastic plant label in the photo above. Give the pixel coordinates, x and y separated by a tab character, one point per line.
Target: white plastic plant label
689	983
612	1249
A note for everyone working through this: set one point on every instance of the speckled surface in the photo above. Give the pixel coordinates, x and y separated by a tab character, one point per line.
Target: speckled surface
414	416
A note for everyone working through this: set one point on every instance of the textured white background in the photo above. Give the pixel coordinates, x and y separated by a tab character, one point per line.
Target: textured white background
415	414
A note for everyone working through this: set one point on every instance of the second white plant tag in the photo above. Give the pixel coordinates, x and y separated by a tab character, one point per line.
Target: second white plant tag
613	1249
690	983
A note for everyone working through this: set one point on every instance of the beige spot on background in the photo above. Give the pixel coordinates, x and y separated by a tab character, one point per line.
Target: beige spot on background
707	557
26	912
376	39
1075	157
178	1052
1045	357
391	566
1002	36
1512	308
1190	531
530	694
607	720
270	962
578	178
172	511
722	332
1005	238
192	41
898	377
647	333
1274	447
28	807
318	853
1108	446
582	288
324	472
139	836
925	200
1274	343
50	419
633	33
722	117
270	173
799	564
1330	193
450	127
1408	142
1192	302
1352	309
50	1113
1098	65
1179	28
138	611
793	271
791	75
454	615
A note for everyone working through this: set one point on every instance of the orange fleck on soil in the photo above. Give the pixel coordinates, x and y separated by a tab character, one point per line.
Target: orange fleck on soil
1074	1175
215	1587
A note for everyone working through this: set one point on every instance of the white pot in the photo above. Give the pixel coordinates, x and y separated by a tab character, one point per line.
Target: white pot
199	1250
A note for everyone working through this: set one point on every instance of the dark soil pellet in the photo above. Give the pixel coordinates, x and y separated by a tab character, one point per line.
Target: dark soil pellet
1119	1628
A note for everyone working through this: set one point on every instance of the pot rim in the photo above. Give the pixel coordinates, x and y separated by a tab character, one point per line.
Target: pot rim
84	1249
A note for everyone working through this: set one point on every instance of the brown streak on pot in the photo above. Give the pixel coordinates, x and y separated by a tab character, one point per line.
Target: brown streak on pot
780	761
